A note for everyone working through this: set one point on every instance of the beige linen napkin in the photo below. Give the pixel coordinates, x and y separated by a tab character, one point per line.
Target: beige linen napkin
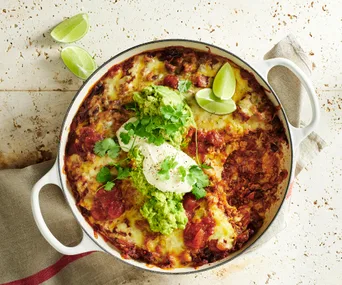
291	94
24	253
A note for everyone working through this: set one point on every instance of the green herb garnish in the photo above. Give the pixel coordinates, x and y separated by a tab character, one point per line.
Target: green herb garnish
162	115
131	106
174	115
182	173
126	137
107	146
109	185
205	166
156	128
199	180
184	85
123	172
165	167
104	176
198	192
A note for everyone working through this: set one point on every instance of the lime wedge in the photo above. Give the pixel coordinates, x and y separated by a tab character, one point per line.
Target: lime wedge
72	29
78	61
224	82
208	101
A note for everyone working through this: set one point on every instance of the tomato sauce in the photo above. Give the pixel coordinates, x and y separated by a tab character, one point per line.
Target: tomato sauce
108	205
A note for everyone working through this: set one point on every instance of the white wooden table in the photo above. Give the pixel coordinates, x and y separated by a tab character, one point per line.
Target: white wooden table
36	88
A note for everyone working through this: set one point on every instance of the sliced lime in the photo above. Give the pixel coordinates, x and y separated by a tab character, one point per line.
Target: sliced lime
72	29
224	82
78	61
208	101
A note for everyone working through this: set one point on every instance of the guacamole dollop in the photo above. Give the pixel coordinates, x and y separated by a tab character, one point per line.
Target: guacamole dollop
164	214
163	210
166	111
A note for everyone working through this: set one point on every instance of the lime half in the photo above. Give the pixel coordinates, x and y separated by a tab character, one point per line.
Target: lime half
224	82
78	61
72	29
208	101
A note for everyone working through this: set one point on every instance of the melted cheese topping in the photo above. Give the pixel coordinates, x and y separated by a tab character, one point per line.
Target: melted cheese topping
132	234
104	114
224	232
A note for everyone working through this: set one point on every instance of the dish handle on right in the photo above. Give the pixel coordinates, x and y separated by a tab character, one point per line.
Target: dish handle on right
297	134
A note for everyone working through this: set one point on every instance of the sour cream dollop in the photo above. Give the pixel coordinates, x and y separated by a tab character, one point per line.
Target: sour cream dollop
154	156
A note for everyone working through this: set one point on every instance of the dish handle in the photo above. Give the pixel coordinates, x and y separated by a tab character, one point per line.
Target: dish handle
86	243
297	134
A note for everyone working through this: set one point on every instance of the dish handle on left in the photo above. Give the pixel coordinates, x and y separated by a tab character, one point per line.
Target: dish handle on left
86	243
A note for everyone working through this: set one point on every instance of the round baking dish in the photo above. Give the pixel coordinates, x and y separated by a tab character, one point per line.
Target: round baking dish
57	176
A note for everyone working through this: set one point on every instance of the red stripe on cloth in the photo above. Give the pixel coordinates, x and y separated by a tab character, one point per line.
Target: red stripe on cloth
289	192
48	272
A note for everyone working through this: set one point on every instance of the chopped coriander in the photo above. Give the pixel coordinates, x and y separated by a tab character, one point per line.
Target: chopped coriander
145	121
205	166
125	137
171	128
184	85
167	164
98	149
123	172
162	115
190	179
157	140
131	106
174	115
198	180
198	192
130	126
167	111
109	185
198	175
182	173
104	175
114	152
108	146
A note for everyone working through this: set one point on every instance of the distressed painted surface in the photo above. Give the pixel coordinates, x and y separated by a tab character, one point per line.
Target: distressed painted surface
30	125
248	28
35	90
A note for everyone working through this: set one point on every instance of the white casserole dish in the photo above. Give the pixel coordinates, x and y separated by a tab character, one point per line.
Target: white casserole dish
57	176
